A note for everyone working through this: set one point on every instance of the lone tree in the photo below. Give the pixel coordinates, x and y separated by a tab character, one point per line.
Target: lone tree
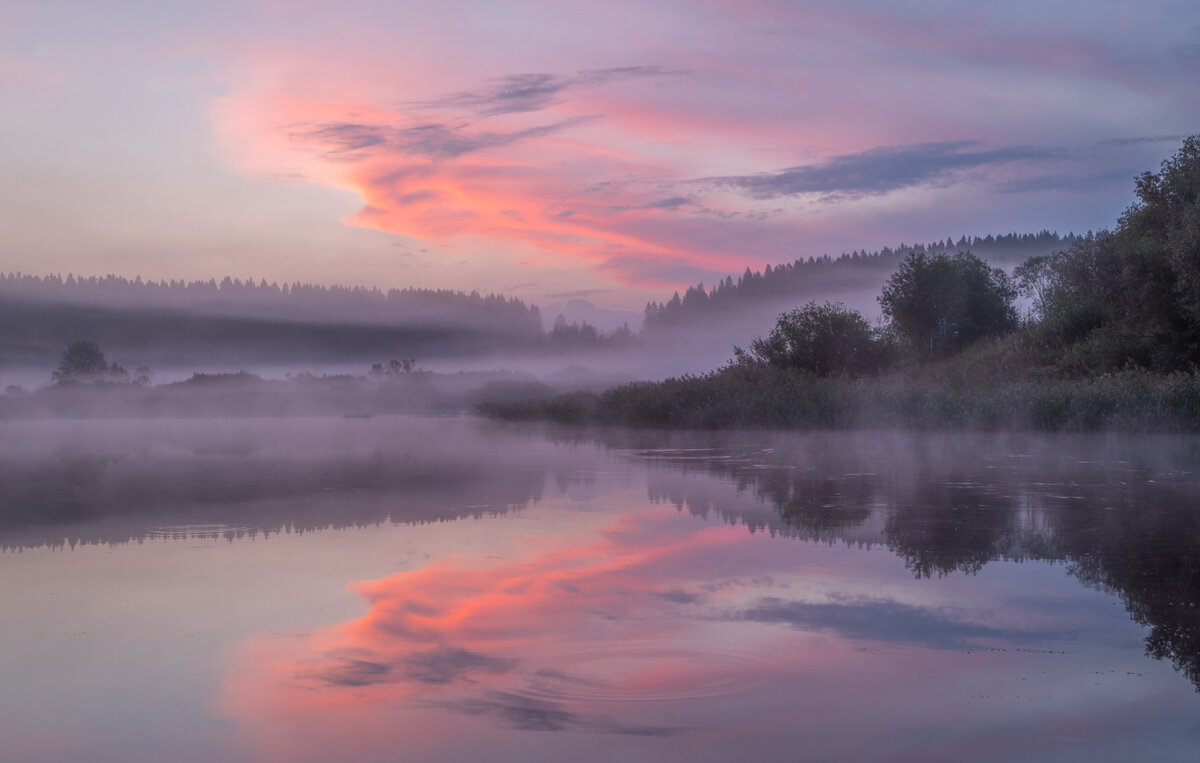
84	360
943	303
825	340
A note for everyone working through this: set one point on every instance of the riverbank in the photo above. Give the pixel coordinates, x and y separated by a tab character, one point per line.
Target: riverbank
974	393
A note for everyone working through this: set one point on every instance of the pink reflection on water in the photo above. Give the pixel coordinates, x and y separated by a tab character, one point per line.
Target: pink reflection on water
574	638
667	639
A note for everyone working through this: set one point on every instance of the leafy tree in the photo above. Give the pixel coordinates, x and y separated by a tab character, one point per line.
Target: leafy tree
1076	292
943	302
1132	296
1166	220
81	360
824	340
1034	279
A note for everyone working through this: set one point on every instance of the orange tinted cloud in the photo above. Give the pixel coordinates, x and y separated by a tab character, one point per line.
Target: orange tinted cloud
543	144
522	164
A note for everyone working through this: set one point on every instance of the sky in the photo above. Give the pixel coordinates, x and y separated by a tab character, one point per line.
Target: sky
611	151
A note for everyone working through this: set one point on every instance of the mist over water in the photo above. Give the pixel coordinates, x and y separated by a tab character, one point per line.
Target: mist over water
309	588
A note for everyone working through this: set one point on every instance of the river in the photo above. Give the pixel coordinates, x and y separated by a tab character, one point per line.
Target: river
447	588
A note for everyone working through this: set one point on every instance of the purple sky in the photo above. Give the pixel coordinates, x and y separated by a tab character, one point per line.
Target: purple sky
616	150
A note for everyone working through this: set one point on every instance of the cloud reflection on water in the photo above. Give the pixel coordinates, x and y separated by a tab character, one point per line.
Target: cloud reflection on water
687	596
643	627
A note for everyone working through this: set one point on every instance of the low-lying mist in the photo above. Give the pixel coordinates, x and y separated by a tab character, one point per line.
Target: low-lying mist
176	330
1117	511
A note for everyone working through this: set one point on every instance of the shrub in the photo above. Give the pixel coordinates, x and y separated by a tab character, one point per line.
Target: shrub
825	340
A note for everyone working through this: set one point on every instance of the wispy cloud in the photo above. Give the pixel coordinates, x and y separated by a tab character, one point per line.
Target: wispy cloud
670	204
517	93
1071	182
577	293
662	271
879	170
706	157
1146	139
350	141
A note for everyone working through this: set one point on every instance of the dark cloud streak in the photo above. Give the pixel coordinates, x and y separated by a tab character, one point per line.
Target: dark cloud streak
671	204
879	170
1078	183
350	142
519	93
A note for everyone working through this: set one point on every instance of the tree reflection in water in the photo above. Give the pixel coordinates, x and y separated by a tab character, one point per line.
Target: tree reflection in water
1123	512
1120	512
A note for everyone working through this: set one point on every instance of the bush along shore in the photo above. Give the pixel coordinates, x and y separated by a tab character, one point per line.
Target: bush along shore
928	398
1112	341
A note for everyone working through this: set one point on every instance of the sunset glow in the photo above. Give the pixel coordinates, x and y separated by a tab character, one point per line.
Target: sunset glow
543	149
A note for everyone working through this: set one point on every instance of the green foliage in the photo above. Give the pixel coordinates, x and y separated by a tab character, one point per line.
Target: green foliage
825	340
819	275
943	303
1118	312
944	395
1166	221
1130	297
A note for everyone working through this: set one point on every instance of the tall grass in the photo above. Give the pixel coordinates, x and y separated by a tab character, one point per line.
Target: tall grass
987	390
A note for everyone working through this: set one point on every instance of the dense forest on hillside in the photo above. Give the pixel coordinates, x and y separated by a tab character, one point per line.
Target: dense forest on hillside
243	323
825	275
234	297
236	323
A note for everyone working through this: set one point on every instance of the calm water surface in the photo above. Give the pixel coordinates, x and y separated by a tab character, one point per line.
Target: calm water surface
449	589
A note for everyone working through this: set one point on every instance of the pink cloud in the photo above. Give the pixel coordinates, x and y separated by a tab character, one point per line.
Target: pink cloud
538	173
525	154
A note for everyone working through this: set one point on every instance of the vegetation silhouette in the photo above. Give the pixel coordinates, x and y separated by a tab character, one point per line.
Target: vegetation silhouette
1129	297
84	360
824	275
1113	342
1120	514
824	340
171	323
945	303
243	322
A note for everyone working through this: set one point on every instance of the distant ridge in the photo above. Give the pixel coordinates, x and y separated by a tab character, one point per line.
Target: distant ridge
240	322
808	278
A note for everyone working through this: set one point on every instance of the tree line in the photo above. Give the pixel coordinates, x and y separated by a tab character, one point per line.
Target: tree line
232	296
1129	297
1112	340
825	272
